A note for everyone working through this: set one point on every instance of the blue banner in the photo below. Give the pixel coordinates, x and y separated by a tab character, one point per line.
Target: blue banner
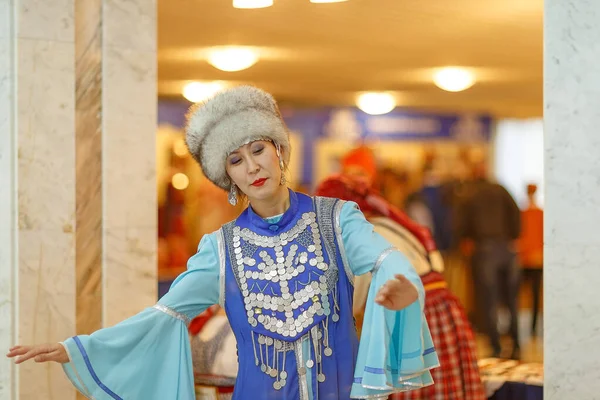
353	124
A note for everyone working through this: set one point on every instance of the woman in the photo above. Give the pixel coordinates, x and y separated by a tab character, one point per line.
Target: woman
458	376
283	272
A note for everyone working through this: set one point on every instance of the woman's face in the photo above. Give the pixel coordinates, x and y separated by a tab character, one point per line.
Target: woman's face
254	168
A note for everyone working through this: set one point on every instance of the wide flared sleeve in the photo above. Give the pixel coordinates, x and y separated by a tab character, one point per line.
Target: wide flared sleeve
148	356
396	351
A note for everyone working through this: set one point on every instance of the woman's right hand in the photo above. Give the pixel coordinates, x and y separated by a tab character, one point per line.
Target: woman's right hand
40	353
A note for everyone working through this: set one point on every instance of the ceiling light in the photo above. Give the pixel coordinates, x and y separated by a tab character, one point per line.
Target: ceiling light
327	1
200	91
232	58
454	79
180	181
252	3
376	103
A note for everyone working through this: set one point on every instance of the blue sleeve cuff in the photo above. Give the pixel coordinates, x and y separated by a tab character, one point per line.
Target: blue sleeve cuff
81	373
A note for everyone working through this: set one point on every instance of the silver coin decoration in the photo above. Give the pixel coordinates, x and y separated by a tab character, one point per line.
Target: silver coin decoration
288	288
273	351
276	270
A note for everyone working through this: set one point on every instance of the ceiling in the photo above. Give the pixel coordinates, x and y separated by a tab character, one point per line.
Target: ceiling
324	54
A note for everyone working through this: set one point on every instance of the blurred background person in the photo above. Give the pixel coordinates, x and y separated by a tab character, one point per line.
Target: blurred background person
360	163
531	249
491	220
458	376
434	198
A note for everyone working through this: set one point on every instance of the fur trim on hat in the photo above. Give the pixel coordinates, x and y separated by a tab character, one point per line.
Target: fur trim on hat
229	120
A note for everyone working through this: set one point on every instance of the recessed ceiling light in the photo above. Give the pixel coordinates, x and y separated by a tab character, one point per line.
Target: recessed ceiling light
454	79
376	103
232	58
200	91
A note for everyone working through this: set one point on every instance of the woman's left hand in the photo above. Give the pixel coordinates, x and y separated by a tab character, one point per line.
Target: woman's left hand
397	293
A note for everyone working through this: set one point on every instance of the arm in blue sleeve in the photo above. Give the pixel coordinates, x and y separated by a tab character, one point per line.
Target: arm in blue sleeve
148	356
396	351
197	288
367	251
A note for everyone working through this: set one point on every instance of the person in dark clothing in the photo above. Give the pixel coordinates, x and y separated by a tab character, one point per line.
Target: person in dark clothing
435	196
491	219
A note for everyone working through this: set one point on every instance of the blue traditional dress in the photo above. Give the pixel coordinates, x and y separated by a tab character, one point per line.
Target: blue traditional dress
286	284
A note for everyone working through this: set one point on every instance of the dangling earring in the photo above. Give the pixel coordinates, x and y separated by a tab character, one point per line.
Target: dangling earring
232	195
283	179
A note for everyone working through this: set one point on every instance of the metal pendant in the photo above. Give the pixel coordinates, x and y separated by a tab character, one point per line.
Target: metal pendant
232	197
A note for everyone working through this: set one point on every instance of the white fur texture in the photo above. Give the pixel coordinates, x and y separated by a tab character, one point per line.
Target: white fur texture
229	120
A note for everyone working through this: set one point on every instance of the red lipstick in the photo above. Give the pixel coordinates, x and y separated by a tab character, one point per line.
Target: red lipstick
259	182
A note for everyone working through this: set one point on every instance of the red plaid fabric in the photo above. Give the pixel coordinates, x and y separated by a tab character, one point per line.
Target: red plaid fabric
458	377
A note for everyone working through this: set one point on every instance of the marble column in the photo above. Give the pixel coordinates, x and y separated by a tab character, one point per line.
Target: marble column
572	199
77	176
129	108
7	195
88	168
40	167
116	125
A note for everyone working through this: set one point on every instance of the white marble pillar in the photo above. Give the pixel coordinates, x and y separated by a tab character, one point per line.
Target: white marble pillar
37	205
129	108
77	176
7	195
572	200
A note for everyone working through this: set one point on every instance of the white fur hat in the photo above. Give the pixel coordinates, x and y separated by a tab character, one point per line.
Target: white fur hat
229	120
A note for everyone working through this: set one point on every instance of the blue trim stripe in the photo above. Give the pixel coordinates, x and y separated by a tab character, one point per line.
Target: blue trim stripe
372	370
91	370
381	371
413	354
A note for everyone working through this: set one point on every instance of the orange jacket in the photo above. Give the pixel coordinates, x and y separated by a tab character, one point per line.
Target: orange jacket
531	242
